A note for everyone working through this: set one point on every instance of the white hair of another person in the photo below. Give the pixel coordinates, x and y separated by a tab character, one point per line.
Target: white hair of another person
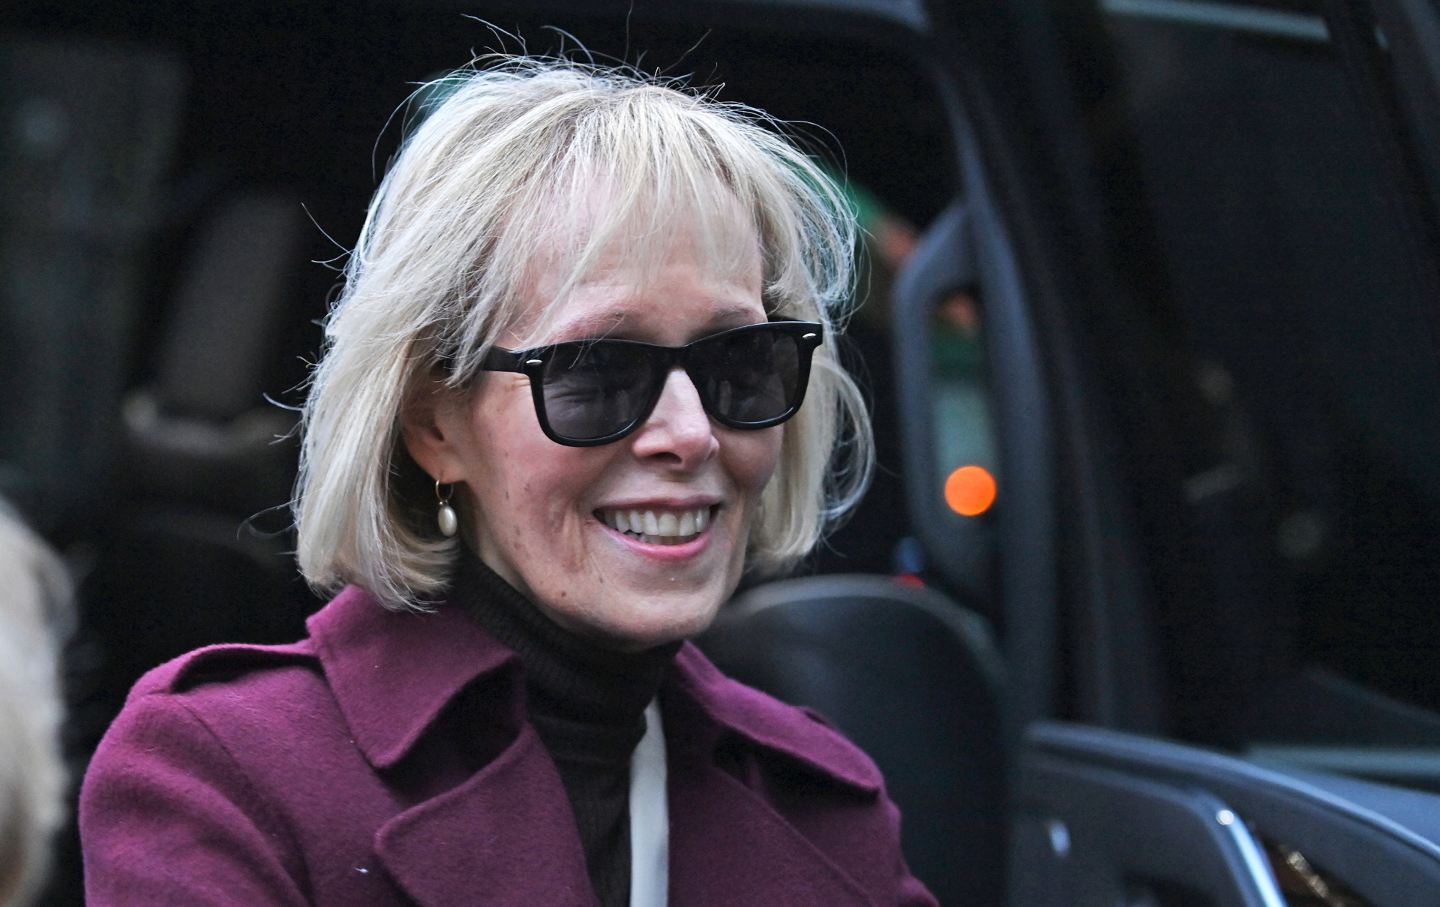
34	615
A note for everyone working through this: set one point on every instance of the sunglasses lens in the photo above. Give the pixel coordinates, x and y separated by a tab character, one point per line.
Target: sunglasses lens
596	390
593	390
750	376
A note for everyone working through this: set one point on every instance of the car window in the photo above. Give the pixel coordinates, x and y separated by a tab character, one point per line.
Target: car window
1268	244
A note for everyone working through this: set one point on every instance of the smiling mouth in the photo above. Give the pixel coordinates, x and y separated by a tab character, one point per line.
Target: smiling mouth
658	527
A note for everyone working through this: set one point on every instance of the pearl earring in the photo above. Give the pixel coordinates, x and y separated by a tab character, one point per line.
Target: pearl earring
445	514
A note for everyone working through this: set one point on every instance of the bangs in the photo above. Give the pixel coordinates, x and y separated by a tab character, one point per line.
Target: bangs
599	225
582	179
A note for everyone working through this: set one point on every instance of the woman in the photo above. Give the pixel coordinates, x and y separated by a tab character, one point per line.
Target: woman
559	413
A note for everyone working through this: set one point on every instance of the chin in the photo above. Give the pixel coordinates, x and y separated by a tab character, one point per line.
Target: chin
658	627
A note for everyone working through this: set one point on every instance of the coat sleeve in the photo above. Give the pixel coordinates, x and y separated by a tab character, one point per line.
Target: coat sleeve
168	817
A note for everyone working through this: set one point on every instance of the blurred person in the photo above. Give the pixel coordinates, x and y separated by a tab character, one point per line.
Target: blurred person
559	412
34	616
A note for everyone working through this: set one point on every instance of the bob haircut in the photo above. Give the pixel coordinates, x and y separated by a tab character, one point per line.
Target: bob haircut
519	165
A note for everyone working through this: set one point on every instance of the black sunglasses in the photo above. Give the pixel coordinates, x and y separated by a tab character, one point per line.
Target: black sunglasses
591	392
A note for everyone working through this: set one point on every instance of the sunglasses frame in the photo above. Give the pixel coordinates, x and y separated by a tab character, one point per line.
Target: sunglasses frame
531	363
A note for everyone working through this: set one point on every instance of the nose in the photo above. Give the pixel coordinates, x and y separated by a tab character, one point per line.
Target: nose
678	430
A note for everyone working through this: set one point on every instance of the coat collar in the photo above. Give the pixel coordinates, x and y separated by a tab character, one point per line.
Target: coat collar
394	674
729	841
797	735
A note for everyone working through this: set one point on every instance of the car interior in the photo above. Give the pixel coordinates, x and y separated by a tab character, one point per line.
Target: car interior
1142	265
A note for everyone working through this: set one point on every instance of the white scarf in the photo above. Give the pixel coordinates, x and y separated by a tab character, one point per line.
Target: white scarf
649	817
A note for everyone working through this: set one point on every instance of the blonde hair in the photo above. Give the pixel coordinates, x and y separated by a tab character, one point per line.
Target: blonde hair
513	152
34	616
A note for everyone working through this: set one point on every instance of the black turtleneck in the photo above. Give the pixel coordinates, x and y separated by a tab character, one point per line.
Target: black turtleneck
587	703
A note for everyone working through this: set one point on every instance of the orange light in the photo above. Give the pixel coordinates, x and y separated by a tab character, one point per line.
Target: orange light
970	490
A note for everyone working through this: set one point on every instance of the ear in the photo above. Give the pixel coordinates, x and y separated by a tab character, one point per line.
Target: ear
432	422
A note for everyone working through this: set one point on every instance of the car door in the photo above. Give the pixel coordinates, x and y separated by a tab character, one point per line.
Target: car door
1201	239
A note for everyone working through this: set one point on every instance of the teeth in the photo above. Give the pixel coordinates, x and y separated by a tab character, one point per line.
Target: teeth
665	527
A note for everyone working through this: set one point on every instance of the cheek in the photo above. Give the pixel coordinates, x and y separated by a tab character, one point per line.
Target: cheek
531	497
548	495
754	458
511	473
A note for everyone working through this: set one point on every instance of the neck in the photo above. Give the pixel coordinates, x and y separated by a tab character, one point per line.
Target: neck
567	675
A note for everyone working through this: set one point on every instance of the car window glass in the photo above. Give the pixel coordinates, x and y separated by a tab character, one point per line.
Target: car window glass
1294	289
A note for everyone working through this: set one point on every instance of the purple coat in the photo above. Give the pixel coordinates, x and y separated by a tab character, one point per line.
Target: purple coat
387	760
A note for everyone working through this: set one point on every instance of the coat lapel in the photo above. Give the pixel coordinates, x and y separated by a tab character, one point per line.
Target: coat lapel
728	846
502	835
729	843
505	836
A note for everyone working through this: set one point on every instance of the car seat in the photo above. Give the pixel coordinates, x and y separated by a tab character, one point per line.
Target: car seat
184	566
